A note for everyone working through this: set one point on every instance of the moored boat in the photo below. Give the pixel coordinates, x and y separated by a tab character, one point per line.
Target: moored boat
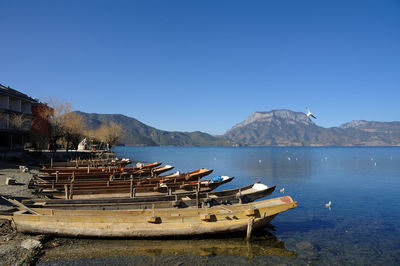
150	222
113	189
182	200
89	162
38	183
95	169
104	173
193	175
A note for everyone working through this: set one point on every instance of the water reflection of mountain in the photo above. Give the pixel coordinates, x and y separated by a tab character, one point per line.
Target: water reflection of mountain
263	243
274	163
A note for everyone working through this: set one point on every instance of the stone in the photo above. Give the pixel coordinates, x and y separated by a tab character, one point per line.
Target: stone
304	245
31	244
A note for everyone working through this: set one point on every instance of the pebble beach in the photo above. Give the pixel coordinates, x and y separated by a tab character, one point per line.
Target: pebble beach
16	248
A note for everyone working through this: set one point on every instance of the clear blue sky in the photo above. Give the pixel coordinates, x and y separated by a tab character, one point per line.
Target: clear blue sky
206	65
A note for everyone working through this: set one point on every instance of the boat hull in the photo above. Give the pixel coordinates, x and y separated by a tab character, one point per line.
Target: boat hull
151	223
125	191
184	200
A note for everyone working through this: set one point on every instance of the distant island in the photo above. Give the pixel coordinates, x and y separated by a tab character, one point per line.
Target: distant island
273	128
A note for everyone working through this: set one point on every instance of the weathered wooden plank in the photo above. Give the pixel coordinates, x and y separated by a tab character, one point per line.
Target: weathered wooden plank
20	205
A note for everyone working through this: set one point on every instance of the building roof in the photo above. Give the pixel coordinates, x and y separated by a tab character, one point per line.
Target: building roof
14	93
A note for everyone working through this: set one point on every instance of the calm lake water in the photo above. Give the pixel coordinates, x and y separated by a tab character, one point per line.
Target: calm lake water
361	228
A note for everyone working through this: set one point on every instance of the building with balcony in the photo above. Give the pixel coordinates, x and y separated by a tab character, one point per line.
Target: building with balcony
18	115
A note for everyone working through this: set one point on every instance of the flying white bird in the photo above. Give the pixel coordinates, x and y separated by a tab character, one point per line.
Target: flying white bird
282	190
309	113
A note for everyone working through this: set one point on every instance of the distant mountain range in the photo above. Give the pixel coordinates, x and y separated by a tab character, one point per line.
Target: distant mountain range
288	128
273	128
138	133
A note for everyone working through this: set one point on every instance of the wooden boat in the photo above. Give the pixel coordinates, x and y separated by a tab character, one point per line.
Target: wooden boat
123	190
154	222
194	175
90	162
92	169
106	173
241	195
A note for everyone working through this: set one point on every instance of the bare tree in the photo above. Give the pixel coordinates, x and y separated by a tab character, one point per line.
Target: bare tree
110	133
73	129
55	116
19	123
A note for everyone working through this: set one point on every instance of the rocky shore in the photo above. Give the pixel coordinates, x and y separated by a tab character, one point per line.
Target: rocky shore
16	248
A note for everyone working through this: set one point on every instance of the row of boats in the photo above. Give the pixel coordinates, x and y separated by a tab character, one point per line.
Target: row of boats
108	198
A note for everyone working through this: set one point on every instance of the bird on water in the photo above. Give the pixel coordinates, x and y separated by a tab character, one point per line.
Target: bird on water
328	205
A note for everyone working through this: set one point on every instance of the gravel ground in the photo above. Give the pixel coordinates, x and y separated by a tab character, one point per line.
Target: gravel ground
20	189
16	248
